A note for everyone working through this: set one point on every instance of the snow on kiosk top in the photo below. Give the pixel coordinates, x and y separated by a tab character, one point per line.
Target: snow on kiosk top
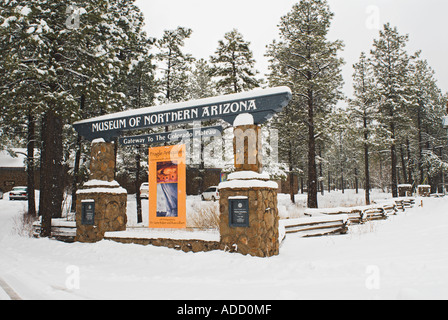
261	104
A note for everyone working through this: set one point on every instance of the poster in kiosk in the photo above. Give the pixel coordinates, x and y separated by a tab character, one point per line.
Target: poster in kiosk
167	187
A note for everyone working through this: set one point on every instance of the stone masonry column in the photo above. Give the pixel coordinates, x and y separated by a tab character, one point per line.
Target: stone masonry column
101	204
253	231
247	146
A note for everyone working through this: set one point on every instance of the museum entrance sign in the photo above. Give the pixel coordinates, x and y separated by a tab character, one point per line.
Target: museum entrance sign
248	220
262	104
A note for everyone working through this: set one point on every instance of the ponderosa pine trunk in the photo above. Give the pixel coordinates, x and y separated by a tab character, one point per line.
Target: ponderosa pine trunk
420	144
291	174
76	173
30	165
51	171
77	161
393	155
137	186
366	162
312	168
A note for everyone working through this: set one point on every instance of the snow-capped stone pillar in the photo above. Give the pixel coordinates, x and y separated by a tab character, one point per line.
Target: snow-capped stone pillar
248	200
101	204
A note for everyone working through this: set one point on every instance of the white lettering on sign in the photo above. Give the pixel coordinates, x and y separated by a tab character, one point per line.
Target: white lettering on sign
229	108
183	115
109	125
133	141
173	116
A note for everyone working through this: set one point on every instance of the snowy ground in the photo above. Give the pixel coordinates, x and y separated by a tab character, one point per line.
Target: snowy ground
405	257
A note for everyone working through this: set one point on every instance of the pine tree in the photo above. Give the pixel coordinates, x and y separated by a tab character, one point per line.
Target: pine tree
391	69
310	65
201	84
290	122
175	65
140	86
341	151
233	64
363	110
53	52
141	90
428	107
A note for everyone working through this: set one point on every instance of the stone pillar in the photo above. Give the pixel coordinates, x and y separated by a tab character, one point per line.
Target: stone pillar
110	200
102	162
259	237
247	148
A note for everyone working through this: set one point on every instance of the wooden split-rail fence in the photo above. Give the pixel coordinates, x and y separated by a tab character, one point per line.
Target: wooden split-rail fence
319	222
61	229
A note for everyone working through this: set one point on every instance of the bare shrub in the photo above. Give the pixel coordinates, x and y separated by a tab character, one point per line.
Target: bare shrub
204	217
23	225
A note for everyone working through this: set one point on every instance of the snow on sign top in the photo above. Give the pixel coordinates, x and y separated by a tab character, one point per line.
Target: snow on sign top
261	104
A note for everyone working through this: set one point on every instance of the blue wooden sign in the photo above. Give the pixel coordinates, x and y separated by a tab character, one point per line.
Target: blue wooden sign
262	104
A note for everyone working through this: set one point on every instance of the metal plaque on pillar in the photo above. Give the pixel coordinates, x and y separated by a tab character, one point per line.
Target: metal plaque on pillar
239	212
88	213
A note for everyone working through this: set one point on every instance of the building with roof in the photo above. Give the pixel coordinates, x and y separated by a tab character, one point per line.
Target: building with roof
13	170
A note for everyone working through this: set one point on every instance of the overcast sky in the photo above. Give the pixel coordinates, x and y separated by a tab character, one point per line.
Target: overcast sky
356	22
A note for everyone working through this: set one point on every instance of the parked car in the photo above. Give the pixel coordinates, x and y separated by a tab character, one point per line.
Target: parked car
18	193
211	193
144	190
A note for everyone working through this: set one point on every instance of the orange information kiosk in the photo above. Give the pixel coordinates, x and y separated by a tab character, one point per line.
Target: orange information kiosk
167	187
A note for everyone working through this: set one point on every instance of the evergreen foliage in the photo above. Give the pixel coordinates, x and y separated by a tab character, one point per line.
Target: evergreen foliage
308	62
53	53
175	65
233	64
